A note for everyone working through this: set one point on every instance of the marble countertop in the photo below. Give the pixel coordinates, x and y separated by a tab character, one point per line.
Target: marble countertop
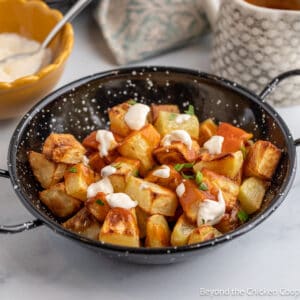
39	264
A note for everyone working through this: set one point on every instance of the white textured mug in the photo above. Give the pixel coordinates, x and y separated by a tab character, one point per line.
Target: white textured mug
253	44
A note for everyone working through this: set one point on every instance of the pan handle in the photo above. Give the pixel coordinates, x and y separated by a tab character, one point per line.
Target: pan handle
297	142
274	82
20	227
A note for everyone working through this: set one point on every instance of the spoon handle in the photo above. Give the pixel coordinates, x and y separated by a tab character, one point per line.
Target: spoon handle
72	13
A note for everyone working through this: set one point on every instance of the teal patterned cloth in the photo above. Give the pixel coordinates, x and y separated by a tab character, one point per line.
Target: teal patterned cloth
136	29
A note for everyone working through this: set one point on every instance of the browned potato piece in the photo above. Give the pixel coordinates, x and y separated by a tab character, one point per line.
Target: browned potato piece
262	160
171	182
84	224
142	217
181	231
96	162
98	206
155	109
191	199
77	180
140	145
57	200
207	129
126	167
229	188
46	172
228	164
63	148
152	198
116	116
230	220
157	232
177	153
120	228
202	234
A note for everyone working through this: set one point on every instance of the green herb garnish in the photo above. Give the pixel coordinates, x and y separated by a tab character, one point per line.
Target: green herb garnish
179	167
172	116
203	186
243	216
100	202
117	165
131	102
244	151
185	176
190	110
199	177
73	170
136	173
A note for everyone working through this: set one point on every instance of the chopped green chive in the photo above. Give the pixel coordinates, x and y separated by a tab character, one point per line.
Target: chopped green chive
136	173
190	110
172	116
100	202
73	170
131	102
185	176
243	216
244	151
199	177
179	167
117	165
203	186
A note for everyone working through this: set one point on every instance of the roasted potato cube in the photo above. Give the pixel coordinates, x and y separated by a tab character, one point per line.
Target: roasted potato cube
142	218
120	228
116	117
171	182
228	164
58	202
46	172
251	194
96	162
98	206
151	197
84	223
181	231
229	188
167	122
191	199
202	234
157	232
140	145
230	220
155	109
177	153
90	141
262	160
63	148
207	129
77	180
126	167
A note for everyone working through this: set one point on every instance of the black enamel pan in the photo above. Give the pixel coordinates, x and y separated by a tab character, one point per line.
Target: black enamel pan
81	106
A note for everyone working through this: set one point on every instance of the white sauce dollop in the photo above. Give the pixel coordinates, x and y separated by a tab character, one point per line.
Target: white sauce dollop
163	172
106	140
144	186
214	144
85	160
211	212
182	118
103	186
107	171
136	116
180	190
177	136
120	200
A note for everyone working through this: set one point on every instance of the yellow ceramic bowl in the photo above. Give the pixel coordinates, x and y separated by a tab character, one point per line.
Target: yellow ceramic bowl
32	19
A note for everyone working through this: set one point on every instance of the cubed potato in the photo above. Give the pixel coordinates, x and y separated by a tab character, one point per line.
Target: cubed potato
90	141
228	164
171	182
63	148
98	206
77	180
207	129
59	202
120	228
191	199
157	232
45	171
181	231
140	145
251	195
84	223
152	198
166	122
126	167
262	160
116	117
155	109
177	153
202	234
230	220
142	218
229	188
96	162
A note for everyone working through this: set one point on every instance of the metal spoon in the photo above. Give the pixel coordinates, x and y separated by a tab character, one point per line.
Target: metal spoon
70	15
